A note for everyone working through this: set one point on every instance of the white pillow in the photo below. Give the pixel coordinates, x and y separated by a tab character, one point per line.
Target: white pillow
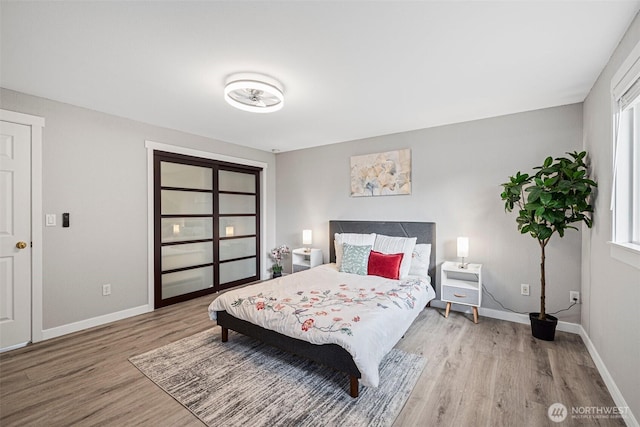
352	239
396	245
420	260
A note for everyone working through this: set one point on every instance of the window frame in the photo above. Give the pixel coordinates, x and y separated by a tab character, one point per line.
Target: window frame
625	197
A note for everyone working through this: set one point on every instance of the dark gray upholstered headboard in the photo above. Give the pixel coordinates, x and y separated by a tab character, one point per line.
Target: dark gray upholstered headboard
424	231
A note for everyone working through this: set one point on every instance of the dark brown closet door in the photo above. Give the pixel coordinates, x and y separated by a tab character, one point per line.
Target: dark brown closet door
206	226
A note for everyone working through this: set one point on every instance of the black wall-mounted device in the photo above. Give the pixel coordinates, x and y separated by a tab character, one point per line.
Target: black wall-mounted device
65	220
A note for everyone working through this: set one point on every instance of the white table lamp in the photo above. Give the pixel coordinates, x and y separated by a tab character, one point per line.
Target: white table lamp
307	239
463	250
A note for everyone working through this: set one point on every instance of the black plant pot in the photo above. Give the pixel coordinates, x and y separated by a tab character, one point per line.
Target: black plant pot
543	329
276	274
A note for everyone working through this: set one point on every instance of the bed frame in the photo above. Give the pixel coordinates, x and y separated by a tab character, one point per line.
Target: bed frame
333	355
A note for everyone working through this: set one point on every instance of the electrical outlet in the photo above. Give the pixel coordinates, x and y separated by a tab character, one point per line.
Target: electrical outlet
106	290
574	296
524	289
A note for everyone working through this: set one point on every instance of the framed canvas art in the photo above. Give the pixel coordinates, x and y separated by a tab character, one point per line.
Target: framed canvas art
381	174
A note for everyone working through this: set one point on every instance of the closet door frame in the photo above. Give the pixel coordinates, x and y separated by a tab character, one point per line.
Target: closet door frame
215	166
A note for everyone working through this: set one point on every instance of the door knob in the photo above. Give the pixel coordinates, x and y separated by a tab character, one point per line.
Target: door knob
21	245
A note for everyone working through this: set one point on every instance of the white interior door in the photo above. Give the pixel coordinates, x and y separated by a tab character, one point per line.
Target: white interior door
15	234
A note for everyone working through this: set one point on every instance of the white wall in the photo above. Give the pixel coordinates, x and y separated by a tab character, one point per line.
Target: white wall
95	168
611	289
457	172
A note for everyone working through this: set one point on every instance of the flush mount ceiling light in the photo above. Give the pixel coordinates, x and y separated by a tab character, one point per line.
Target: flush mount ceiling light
254	93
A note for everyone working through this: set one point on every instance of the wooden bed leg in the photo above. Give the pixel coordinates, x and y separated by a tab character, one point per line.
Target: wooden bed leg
225	334
353	386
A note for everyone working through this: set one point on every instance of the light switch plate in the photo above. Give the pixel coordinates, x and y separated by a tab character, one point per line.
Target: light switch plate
50	220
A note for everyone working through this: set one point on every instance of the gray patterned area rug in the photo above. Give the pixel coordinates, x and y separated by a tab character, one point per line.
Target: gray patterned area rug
244	382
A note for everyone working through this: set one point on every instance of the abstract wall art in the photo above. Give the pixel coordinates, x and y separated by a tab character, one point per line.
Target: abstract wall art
381	174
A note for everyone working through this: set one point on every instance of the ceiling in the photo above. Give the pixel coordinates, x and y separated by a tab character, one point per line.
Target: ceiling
350	69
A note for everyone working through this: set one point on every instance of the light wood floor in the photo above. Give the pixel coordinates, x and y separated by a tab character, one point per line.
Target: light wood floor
490	374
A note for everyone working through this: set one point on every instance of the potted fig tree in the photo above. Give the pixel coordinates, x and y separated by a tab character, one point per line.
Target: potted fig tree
549	202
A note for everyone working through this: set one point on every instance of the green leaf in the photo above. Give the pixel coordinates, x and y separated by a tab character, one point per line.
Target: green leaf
564	184
556	196
547	171
544	233
534	193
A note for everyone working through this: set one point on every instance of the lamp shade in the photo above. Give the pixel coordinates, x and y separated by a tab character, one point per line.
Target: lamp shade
463	247
307	237
229	230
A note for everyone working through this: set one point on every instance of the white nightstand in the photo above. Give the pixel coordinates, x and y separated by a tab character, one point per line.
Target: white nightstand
303	259
461	286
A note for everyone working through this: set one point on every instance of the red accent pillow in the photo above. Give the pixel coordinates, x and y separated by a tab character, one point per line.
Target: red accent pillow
384	265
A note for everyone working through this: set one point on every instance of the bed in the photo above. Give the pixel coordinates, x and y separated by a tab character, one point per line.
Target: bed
391	301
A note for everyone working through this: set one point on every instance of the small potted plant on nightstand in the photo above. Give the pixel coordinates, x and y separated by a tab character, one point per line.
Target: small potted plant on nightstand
548	202
278	254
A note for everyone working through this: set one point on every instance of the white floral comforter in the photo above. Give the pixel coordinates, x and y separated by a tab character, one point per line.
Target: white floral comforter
366	315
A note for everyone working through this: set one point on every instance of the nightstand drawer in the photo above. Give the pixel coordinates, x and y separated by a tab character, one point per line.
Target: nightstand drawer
460	295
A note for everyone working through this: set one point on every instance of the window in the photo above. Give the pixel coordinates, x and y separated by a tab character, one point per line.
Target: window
627	175
625	199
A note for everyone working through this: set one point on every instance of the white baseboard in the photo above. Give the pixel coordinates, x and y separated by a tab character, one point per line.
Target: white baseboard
504	315
618	399
573	328
94	321
509	316
13	347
